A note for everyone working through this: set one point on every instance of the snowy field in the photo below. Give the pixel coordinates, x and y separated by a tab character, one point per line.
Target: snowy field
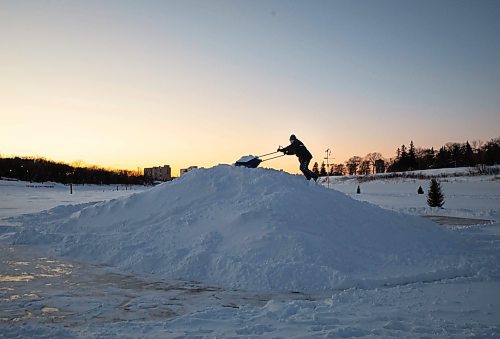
237	252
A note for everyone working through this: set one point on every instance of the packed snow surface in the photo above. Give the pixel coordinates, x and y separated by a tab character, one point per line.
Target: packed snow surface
256	229
45	295
246	158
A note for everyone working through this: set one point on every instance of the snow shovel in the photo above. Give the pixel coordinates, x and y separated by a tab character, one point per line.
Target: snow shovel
251	161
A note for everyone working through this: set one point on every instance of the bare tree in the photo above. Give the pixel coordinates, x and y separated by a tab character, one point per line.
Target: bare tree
353	164
365	167
477	144
340	169
372	158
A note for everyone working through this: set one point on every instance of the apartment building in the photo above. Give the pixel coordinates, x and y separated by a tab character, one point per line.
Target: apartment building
160	173
185	170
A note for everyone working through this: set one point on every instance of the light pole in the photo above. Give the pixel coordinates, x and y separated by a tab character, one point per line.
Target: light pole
328	153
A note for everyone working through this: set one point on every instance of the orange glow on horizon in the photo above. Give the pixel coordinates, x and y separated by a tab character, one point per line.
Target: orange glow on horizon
188	85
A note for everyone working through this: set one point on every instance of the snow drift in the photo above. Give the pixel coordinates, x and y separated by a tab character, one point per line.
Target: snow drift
255	229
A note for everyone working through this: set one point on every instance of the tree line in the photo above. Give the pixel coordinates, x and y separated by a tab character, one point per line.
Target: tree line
410	158
42	170
407	158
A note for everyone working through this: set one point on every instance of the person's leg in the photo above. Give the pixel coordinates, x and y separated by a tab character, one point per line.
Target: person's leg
313	175
304	164
304	167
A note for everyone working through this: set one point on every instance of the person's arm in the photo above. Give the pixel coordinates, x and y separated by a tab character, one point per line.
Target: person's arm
283	149
290	149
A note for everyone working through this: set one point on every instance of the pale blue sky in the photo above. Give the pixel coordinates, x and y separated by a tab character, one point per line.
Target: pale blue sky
141	83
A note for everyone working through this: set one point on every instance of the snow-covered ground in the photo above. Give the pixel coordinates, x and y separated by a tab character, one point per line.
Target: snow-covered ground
238	252
19	197
465	196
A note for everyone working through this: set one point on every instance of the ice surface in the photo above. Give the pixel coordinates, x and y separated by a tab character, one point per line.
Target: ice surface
45	295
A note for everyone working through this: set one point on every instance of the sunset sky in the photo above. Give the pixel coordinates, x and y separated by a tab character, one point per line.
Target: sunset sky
129	84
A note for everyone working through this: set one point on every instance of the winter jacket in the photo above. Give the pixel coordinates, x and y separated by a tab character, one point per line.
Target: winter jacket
297	148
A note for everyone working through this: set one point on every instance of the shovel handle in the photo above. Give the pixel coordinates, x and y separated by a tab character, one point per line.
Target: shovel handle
278	156
263	155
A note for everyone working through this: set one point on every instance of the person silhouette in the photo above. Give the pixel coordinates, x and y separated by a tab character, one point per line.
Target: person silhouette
297	148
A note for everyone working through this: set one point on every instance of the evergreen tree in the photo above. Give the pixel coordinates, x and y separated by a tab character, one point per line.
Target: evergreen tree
322	171
394	165
491	152
443	158
315	168
456	155
412	160
403	160
435	197
469	155
427	159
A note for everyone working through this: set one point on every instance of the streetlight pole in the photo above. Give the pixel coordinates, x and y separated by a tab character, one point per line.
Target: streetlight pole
328	153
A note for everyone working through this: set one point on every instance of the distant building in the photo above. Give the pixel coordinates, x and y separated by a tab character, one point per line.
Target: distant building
185	170
158	173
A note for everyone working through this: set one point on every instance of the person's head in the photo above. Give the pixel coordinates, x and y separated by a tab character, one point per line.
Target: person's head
293	138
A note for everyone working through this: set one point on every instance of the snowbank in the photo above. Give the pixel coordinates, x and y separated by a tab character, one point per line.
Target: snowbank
255	229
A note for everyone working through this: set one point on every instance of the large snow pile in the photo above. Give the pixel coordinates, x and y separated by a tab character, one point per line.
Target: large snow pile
256	229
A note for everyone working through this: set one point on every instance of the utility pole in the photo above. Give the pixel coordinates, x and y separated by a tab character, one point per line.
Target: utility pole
328	153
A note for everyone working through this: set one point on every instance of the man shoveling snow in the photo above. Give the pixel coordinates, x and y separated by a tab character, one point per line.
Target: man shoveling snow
299	149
